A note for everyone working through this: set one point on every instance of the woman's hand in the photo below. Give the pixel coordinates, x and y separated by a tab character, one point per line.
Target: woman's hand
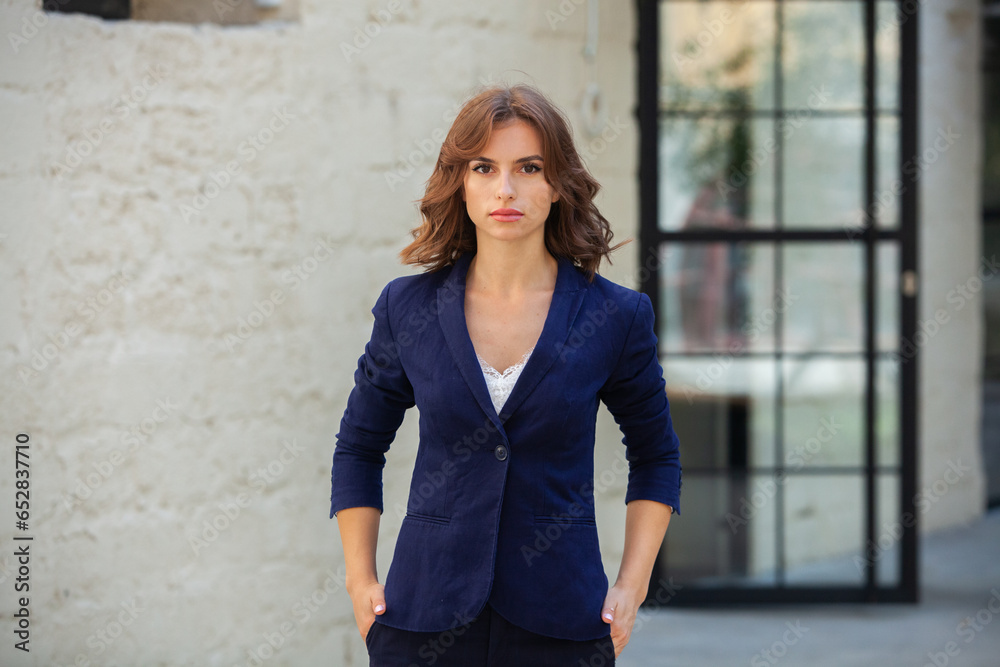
359	533
621	606
369	602
646	523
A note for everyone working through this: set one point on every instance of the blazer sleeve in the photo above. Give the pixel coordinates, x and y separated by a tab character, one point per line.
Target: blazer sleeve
375	408
635	394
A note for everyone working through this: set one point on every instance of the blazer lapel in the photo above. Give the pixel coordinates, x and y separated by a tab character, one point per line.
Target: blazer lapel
566	301
451	304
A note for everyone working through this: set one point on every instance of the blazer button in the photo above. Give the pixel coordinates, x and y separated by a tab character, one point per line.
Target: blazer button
501	453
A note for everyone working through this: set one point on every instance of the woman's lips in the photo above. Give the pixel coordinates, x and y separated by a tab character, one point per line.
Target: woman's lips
506	215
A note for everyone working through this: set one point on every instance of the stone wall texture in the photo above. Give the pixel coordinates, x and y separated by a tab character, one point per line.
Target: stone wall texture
195	222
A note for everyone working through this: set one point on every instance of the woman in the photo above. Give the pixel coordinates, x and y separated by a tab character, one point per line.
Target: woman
506	344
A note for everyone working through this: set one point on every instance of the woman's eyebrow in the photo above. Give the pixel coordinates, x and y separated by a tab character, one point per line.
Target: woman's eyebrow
530	158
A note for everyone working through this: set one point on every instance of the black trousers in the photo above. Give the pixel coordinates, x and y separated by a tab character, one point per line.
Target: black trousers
490	640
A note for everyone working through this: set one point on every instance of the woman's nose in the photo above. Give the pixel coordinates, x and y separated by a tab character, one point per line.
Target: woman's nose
505	187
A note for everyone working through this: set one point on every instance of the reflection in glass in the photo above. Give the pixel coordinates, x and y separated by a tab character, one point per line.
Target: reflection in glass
823	412
722	409
824	171
824	529
887	297
717	55
884	553
823	55
722	543
887	56
888	183
716	297
716	173
824	284
887	419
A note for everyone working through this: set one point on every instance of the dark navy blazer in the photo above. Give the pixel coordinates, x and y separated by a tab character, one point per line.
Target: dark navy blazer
501	507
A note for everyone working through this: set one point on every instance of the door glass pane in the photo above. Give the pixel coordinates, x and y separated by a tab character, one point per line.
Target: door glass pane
716	173
720	543
884	553
824	419
717	297
823	283
887	389
887	295
824	171
823	55
824	528
717	55
887	56
757	515
722	409
889	186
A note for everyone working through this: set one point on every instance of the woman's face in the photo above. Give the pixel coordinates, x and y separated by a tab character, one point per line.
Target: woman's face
505	190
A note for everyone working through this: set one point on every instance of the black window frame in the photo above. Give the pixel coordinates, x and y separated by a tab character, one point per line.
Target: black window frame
662	590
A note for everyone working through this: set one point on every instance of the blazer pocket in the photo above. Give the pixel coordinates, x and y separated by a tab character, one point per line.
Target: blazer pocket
427	518
431	483
566	520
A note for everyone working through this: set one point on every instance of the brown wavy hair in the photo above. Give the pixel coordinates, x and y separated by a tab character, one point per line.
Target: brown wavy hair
575	229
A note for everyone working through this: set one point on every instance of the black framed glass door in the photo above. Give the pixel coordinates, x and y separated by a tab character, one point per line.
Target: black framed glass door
778	236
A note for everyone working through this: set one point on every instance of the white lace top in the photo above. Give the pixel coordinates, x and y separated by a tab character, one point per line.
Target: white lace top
501	384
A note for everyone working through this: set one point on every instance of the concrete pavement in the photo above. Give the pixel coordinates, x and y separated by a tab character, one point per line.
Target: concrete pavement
956	624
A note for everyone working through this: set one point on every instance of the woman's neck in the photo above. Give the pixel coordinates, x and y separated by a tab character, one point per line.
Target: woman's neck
510	268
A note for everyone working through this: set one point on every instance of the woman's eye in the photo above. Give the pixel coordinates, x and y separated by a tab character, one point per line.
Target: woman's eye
482	168
532	169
